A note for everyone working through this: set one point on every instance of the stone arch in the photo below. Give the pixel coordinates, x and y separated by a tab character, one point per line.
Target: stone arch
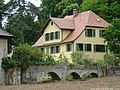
54	76
93	74
75	75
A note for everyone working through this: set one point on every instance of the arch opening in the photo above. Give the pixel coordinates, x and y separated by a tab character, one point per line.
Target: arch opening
75	75
94	75
54	76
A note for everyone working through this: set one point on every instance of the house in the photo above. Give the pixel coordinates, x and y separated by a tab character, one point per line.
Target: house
80	31
4	36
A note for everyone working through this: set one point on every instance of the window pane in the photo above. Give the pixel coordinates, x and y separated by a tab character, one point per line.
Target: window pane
47	37
101	33
57	49
79	47
42	49
100	48
90	33
87	47
69	47
57	35
93	32
52	36
52	49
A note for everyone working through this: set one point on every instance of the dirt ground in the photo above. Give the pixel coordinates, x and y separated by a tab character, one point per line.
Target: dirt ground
103	83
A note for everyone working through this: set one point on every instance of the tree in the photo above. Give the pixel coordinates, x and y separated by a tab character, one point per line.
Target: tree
1	12
65	7
112	37
21	24
107	9
47	10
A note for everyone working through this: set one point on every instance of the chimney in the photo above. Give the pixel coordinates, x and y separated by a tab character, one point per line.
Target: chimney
74	13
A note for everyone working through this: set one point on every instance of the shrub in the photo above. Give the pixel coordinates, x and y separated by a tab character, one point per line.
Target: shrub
87	61
77	57
47	78
109	59
62	59
27	55
69	77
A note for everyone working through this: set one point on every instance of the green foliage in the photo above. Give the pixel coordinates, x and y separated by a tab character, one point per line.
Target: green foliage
69	77
47	78
87	61
62	59
109	59
20	16
1	12
77	57
24	55
65	7
112	37
48	60
107	9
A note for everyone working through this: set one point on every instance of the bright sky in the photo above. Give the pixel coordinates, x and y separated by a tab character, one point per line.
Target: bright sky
35	2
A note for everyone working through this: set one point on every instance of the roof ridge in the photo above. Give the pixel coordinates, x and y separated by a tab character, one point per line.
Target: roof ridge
88	17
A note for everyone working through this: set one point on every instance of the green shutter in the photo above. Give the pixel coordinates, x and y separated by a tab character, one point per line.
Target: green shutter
94	48
86	32
93	32
85	47
106	49
58	34
100	33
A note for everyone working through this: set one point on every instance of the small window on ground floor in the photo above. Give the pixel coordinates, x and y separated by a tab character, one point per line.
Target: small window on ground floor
52	50
69	47
55	49
79	47
87	47
99	48
42	49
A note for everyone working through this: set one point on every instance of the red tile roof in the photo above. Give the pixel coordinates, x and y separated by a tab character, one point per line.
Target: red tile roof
79	23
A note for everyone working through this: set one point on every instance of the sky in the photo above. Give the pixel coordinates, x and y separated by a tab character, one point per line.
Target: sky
35	2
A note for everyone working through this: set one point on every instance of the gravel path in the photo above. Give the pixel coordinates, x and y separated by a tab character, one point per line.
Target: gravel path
103	83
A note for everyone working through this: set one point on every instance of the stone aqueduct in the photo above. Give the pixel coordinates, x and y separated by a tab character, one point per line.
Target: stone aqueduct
35	74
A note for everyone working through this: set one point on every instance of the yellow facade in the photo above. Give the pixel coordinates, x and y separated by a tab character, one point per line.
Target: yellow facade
81	39
91	40
52	28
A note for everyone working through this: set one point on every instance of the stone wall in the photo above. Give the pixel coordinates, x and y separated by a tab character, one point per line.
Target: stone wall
35	74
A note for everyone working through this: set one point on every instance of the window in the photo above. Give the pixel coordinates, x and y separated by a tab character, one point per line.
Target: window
87	47
79	47
57	35
57	49
51	35
42	49
47	37
52	50
69	47
101	33
90	32
99	48
51	23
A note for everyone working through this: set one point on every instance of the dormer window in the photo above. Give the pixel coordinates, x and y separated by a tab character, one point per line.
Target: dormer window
57	35
52	36
47	37
90	32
